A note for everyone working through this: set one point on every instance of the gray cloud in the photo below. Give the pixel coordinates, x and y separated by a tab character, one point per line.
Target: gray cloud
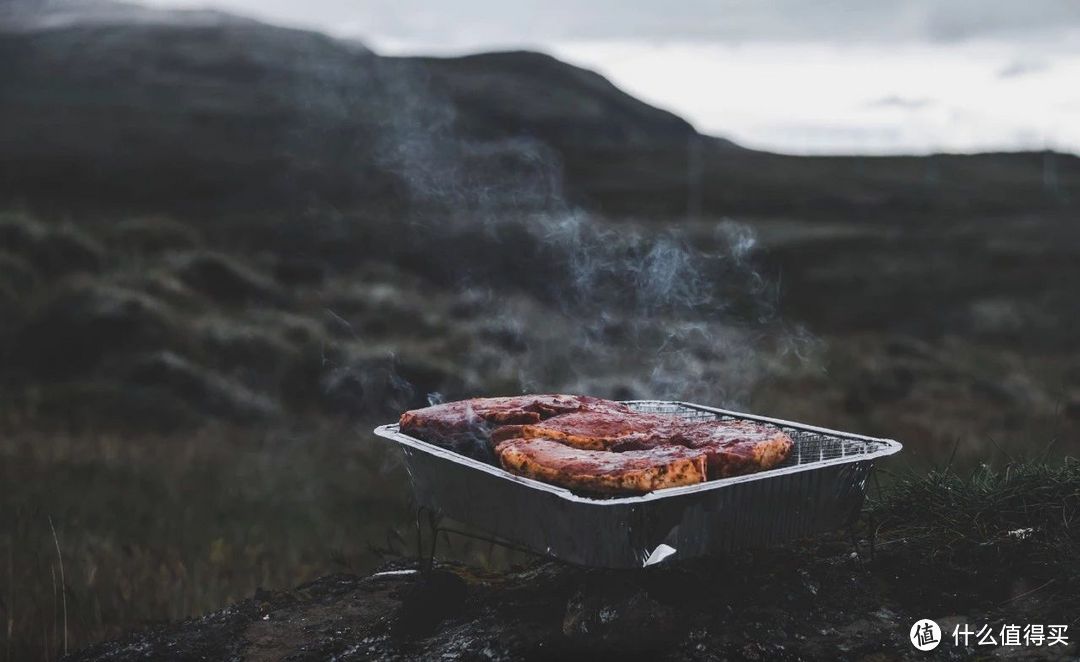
471	23
903	103
1023	67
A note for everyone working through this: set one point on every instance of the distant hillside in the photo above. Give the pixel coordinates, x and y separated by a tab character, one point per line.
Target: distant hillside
107	104
530	94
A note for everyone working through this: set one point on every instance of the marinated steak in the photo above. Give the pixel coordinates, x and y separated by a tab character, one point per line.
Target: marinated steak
465	426
597	430
602	472
598	445
732	447
737	447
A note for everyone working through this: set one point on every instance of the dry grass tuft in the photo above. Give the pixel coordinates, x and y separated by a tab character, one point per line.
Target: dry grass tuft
104	534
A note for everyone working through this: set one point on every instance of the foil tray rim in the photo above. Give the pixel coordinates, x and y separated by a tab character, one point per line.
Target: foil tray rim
887	447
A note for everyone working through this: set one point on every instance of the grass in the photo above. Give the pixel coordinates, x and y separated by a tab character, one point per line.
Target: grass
952	514
99	535
1007	536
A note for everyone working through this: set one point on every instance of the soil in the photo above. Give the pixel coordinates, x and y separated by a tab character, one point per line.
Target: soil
832	599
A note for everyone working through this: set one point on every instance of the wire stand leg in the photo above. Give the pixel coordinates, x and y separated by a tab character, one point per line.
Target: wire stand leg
426	562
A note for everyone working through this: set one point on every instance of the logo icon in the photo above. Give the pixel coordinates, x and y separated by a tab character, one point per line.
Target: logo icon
925	635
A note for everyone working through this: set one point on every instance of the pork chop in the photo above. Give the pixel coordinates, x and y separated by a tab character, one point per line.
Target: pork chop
733	446
465	426
596	430
736	447
602	472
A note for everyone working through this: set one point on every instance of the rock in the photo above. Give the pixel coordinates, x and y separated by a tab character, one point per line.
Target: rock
86	321
204	389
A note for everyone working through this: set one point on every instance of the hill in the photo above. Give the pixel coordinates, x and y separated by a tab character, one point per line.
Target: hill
115	105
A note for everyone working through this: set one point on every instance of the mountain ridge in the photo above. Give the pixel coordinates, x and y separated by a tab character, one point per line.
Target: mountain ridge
114	105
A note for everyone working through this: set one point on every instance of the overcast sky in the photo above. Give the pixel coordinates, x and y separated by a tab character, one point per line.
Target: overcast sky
789	75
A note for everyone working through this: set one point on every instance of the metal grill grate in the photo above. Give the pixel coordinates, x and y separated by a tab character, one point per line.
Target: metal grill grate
810	446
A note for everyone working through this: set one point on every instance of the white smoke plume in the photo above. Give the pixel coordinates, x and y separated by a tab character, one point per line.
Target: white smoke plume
612	307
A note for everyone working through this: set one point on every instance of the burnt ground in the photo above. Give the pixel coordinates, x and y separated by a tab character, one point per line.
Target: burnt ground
816	601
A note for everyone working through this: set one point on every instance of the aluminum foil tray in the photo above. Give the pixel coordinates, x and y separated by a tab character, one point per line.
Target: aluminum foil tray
821	487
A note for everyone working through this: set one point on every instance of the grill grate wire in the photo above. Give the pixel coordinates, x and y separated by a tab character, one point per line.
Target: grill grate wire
809	446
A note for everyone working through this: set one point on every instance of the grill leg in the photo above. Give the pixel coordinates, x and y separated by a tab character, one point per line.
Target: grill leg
873	534
426	562
419	537
871	539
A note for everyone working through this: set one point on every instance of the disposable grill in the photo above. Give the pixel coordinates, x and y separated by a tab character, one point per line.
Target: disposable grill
820	487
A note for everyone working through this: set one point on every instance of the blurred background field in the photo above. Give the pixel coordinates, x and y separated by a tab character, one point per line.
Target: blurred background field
228	250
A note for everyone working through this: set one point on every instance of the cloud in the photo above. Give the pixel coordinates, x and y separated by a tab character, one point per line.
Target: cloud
1023	67
902	103
476	23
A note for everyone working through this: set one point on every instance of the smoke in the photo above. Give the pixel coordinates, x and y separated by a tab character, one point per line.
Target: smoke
612	307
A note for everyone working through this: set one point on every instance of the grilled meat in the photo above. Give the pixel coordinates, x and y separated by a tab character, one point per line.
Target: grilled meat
736	447
732	447
598	445
603	472
465	426
598	430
